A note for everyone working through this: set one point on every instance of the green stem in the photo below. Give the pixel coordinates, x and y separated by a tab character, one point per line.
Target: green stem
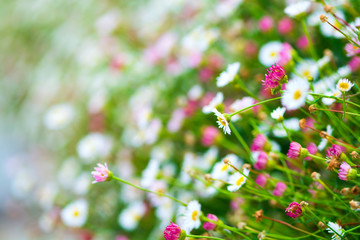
311	46
199	236
256	104
352	229
286	130
316	157
147	190
241	139
336	98
344	105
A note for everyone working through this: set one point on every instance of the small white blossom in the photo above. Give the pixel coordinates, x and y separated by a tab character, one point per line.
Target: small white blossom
337	228
228	76
278	113
344	85
223	123
295	94
217	100
270	53
237	180
75	213
59	116
190	216
295	9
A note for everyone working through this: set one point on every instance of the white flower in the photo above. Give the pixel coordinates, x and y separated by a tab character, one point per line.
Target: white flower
223	123
307	68
217	100
324	141
94	145
226	8
337	228
59	116
290	124
295	94
190	216
297	8
160	187
344	85
237	180
130	217
240	104
329	101
329	31
75	213
269	53
221	170
278	113
228	75
150	172
199	39
209	157
195	93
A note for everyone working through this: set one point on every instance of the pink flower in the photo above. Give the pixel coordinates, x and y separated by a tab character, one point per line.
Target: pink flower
258	143
261	161
266	23
293	210
172	232
176	120
279	189
285	54
302	42
101	173
351	49
344	171
335	151
354	64
312	150
275	76
209	136
205	74
208	226
285	25
261	180
294	150
234	204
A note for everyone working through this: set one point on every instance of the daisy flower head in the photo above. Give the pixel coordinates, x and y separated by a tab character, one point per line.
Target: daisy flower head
130	217
344	85
228	76
208	226
190	216
222	121
101	173
294	210
337	228
237	180
347	173
297	9
275	78
59	116
217	100
270	53
278	113
295	94
173	232
75	213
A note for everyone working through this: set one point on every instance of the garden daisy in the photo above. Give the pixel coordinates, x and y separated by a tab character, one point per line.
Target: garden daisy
278	114
94	145
270	53
295	94
222	170
222	121
217	100
344	85
59	116
307	68
237	180
337	228
75	213
130	217
190	216
228	75
298	8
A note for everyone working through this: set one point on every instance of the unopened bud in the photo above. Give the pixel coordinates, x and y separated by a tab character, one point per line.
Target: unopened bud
328	8
354	204
247	166
207	177
345	191
259	215
355	155
302	123
321	225
241	225
323	134
323	18
328	53
304	204
226	161
315	176
261	235
355	190
312	108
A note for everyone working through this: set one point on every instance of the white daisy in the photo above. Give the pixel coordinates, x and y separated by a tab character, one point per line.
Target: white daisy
344	85
237	180
278	114
217	100
329	31
75	213
130	217
228	75
150	172
195	93
297	8
329	101
223	123
190	216
94	145
295	95
270	53
59	116
337	228
221	170
307	68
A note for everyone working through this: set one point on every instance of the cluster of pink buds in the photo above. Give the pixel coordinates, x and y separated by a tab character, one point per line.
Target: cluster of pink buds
174	232
275	78
294	210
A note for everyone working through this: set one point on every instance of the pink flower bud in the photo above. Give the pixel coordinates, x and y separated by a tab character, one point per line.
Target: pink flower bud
209	225
279	189
172	232
294	210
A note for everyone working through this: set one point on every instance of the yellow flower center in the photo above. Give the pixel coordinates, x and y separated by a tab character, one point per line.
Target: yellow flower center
273	54
297	94
224	167
306	73
344	85
194	215
240	180
222	121
76	213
